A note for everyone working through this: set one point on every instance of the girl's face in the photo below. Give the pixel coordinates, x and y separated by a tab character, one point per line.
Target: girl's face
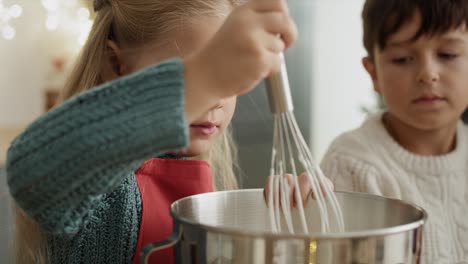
185	41
424	82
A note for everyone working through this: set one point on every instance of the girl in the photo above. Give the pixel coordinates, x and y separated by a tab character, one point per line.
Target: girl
76	174
417	150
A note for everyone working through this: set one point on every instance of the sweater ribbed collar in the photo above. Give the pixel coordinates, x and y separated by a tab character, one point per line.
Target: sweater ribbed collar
455	160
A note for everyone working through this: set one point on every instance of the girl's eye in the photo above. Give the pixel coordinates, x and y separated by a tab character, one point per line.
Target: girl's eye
401	60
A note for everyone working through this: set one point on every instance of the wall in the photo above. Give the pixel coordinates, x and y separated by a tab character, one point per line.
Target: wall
26	62
341	87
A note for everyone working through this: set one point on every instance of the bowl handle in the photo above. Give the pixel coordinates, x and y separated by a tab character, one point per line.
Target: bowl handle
153	247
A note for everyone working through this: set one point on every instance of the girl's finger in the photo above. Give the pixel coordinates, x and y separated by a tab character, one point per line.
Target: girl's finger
280	24
275	62
305	188
329	183
272	43
290	182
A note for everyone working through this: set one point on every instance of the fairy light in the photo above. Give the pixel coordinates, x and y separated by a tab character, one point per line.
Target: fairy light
85	24
69	17
7	14
8	32
52	22
64	15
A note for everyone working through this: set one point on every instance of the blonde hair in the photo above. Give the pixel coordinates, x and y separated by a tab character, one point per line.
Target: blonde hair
132	24
222	158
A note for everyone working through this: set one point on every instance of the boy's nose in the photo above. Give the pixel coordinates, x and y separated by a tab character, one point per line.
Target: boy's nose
428	74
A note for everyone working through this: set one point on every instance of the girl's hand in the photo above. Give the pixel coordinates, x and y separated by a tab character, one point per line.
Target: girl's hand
304	186
244	51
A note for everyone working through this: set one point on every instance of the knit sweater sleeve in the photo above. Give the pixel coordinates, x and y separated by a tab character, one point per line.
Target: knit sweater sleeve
68	158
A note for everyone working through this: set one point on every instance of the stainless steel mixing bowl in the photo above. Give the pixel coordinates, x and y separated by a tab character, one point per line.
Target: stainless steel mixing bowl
234	227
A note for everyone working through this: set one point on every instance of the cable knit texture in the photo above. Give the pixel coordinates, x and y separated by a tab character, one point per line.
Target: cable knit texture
72	169
369	160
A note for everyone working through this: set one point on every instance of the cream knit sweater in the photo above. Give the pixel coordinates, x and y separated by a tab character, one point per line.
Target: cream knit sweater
369	160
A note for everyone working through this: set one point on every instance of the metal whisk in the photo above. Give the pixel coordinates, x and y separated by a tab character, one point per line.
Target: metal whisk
290	152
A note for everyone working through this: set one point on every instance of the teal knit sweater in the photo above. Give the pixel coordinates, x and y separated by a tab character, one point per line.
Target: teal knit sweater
72	169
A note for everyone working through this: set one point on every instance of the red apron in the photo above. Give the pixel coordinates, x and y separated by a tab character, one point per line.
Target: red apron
161	182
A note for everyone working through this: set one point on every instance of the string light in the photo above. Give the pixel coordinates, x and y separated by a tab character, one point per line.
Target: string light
65	15
7	14
69	17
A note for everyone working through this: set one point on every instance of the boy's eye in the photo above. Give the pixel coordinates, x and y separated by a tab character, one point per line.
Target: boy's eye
448	55
401	60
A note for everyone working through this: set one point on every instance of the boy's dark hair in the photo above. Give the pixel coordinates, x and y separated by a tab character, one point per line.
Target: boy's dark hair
382	18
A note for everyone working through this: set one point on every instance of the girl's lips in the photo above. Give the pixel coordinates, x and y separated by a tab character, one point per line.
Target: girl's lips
206	128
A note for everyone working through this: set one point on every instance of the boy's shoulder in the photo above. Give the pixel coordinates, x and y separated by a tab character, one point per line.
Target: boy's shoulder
362	139
464	130
371	139
464	127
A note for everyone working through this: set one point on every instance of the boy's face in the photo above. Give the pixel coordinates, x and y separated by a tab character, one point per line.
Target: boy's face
424	82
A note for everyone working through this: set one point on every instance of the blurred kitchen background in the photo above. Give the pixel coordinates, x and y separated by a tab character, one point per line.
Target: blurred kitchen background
39	40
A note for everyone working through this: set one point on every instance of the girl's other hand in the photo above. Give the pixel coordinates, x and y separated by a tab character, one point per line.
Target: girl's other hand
304	186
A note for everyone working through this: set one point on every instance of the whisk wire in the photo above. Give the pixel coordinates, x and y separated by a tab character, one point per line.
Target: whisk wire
294	172
320	177
285	205
288	143
308	166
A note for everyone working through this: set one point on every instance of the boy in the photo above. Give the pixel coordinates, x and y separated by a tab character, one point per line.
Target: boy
417	150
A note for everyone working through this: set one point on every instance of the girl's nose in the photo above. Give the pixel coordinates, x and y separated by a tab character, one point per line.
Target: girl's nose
218	105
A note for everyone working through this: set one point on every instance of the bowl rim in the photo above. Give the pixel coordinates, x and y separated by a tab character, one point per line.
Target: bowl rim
314	235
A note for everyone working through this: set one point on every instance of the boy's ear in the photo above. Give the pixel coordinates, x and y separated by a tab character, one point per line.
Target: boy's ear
370	68
113	66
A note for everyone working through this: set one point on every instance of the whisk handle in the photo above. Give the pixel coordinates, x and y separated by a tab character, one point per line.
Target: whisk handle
278	90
